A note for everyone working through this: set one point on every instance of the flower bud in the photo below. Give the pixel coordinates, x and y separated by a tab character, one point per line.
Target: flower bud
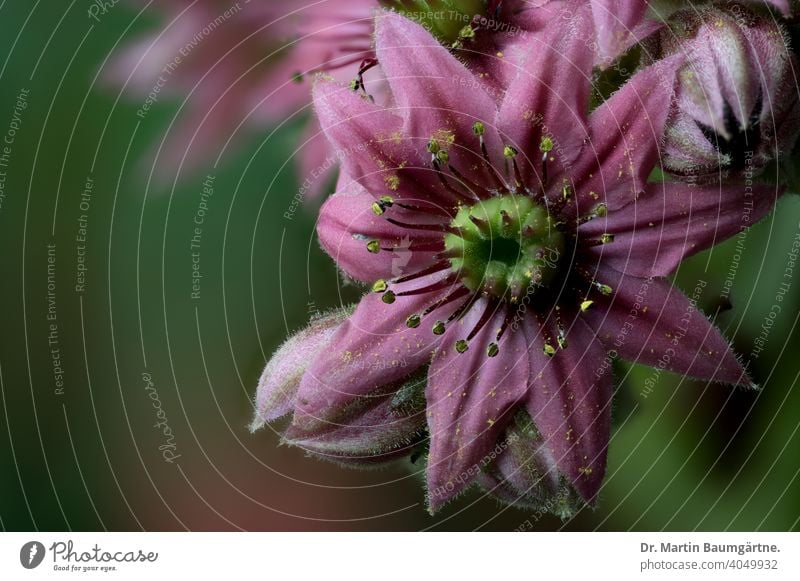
737	104
448	20
524	473
382	426
280	380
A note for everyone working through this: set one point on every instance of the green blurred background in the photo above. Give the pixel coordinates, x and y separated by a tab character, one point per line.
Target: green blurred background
86	456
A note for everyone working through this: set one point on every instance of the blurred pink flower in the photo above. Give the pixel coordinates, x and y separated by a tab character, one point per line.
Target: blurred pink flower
537	249
240	64
243	65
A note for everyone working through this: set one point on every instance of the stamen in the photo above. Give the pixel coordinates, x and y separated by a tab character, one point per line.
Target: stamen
586	305
427	227
379	286
388	297
424	247
599	211
449	188
503	326
605	238
545	146
492	350
493	173
366	65
383	203
456	294
603	288
562	338
511	153
438	267
427	210
439	285
473	187
374	246
438	328
483	225
487	314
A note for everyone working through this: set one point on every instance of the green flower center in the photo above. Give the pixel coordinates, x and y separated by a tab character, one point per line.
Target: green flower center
506	247
448	20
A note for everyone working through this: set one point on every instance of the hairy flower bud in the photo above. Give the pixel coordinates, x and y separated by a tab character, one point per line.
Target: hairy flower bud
280	380
737	103
525	474
381	426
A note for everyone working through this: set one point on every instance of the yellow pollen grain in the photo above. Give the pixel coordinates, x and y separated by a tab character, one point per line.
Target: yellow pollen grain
392	182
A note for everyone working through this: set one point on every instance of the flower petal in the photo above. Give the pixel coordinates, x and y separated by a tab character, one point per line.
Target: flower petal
347	224
618	25
524	472
375	428
626	133
428	82
373	146
649	321
570	403
470	396
550	92
672	221
281	378
373	348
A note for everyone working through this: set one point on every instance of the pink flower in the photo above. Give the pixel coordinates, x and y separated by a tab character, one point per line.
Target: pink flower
514	246
738	108
240	65
246	65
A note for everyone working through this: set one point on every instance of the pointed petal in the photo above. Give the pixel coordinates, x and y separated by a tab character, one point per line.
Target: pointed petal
649	321
524	472
281	378
373	146
428	82
672	221
549	95
347	224
627	131
470	396
570	403
373	429
615	24
373	348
